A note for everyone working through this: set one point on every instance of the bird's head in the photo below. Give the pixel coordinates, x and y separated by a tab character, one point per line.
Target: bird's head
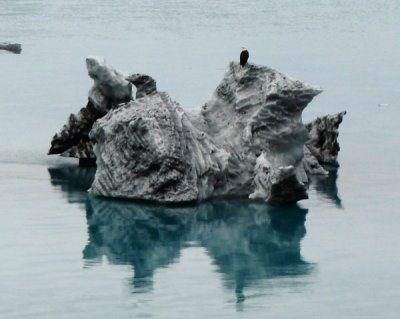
243	49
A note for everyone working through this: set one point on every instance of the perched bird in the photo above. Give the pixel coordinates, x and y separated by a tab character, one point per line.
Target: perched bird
244	56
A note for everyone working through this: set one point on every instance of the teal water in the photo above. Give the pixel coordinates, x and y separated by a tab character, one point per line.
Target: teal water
65	254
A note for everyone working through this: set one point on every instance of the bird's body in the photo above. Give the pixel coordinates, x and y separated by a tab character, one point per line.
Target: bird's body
244	56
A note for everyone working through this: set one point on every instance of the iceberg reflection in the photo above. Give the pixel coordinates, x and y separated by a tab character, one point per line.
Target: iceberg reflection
246	240
326	185
74	181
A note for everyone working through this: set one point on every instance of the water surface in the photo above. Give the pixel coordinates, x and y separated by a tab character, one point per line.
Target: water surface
66	254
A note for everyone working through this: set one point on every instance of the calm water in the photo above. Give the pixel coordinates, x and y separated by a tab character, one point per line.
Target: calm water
65	254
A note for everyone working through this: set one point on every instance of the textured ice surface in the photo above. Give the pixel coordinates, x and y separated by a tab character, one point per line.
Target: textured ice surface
109	89
248	140
323	144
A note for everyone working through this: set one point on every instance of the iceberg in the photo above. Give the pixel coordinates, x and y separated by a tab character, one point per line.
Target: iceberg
248	140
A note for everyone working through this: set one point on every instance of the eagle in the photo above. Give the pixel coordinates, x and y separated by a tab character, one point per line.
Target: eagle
244	56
